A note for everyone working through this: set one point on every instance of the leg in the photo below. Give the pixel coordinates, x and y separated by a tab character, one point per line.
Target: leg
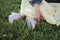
37	12
36	4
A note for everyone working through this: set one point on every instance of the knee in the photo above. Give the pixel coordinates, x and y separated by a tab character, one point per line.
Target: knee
37	19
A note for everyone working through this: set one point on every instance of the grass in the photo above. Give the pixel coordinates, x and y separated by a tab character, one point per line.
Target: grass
18	30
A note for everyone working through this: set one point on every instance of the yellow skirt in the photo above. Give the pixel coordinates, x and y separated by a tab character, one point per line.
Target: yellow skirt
49	11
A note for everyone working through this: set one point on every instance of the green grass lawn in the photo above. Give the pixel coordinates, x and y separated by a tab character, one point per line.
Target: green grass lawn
18	30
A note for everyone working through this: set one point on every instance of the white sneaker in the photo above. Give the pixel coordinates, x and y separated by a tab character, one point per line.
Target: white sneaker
13	16
10	19
30	23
